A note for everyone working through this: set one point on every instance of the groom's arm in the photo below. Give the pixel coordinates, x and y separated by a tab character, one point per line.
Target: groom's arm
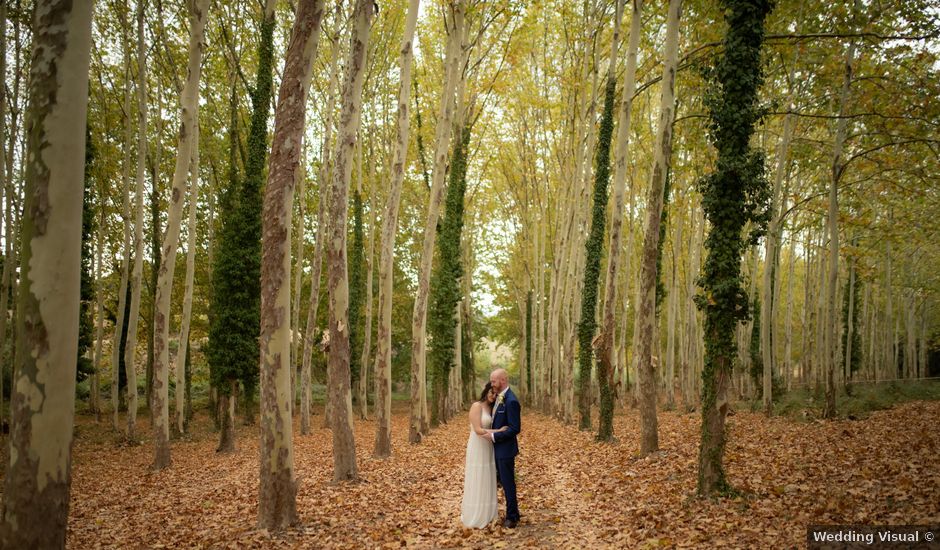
513	422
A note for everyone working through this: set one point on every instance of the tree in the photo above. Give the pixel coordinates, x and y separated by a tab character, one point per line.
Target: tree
277	495
734	195
442	134
651	254
36	484
338	358
189	105
322	229
130	357
595	241
445	289
834	354
605	363
86	326
357	290
118	361
383	356
181	361
233	346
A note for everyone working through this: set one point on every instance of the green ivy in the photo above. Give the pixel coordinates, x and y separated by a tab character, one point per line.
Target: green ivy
357	289
235	306
592	268
445	280
734	195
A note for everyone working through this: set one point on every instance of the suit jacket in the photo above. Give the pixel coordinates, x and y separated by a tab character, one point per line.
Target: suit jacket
508	413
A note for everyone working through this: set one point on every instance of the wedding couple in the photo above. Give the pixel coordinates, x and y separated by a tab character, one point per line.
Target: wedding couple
495	421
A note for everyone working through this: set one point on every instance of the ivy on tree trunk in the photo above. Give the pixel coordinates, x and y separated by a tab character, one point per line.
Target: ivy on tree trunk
734	195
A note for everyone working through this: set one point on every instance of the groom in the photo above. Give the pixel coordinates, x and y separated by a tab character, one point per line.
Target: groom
506	412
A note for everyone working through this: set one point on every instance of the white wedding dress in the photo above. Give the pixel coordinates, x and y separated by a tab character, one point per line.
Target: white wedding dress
479	483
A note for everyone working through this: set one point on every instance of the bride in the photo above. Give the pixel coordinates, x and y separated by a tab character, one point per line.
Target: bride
479	483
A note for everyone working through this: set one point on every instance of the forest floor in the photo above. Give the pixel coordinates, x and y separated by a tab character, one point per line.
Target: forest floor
573	492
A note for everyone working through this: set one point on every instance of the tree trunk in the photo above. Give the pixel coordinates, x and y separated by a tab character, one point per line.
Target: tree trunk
191	240
130	352
770	263
297	279
593	252
367	327
322	230
8	235
344	446
734	110
127	251
418	423
383	355
227	424
36	484
833	353
189	105
605	343
95	398
277	504
155	260
646	312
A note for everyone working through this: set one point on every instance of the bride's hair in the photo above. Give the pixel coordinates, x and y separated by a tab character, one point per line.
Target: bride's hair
486	391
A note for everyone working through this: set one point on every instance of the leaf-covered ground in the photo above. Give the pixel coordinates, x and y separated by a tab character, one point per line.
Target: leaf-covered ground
572	491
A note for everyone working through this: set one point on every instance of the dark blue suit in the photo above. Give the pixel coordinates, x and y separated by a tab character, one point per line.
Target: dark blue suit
505	449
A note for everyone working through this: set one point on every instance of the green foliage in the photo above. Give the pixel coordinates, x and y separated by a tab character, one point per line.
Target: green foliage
445	280
734	195
593	250
86	328
357	289
235	305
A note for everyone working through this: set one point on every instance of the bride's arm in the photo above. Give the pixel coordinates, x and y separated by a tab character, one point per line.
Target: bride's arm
476	414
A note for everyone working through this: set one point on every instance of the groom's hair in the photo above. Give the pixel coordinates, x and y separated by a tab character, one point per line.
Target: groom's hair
486	391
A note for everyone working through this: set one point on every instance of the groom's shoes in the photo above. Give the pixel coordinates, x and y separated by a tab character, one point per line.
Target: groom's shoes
510	524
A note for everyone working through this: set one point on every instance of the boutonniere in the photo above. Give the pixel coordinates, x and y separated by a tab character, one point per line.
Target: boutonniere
499	400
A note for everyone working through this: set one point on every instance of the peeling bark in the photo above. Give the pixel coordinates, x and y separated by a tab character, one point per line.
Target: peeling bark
419	320
383	356
277	497
38	476
344	446
322	229
189	105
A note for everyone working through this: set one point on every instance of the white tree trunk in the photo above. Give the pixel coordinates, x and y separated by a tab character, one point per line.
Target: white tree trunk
130	352
191	244
301	185
277	495
126	251
189	105
383	355
322	230
419	419
36	484
646	314
344	446
832	323
605	344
